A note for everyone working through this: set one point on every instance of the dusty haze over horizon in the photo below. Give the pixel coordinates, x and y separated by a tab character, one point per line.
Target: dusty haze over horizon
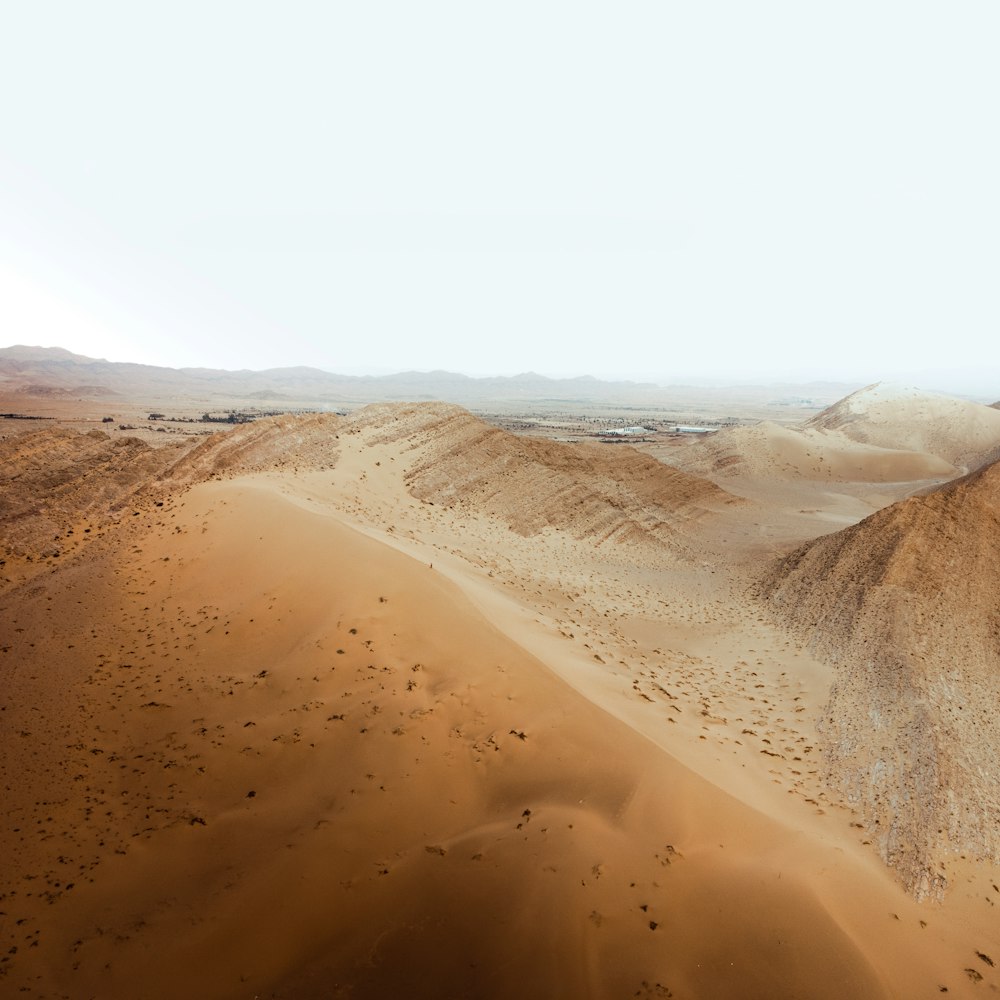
713	191
982	384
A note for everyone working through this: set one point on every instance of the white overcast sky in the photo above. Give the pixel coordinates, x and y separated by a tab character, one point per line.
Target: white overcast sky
663	189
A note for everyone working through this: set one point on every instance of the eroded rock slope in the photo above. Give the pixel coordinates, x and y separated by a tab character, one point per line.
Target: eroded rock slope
906	604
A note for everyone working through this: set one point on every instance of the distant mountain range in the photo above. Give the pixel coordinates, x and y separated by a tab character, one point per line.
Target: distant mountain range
48	370
53	371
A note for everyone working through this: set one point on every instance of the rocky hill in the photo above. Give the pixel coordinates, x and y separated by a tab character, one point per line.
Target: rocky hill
905	604
40	371
284	442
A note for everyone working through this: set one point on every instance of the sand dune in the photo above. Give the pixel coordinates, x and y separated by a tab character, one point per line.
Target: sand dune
363	710
880	434
770	450
905	604
319	777
892	416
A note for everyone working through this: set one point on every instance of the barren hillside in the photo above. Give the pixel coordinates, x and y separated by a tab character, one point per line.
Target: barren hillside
60	489
905	603
601	493
271	444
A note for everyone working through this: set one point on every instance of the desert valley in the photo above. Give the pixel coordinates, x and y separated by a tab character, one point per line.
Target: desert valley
315	687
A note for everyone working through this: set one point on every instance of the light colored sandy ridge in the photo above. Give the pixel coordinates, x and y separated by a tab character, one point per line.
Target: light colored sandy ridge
881	434
888	415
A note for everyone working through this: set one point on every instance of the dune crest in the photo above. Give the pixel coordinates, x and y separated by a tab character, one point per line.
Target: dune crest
886	415
770	450
880	434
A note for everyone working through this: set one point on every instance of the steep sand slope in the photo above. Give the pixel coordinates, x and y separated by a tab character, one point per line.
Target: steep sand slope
675	652
892	416
341	781
906	604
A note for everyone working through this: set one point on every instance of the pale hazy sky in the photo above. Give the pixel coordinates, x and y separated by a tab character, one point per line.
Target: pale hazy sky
659	188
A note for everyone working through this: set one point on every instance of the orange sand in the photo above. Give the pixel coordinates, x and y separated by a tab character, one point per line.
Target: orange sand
301	734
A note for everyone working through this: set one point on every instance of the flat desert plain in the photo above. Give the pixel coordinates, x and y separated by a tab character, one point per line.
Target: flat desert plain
399	703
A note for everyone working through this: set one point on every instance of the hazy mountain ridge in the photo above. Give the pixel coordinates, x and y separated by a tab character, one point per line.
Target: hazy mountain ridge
38	372
32	369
